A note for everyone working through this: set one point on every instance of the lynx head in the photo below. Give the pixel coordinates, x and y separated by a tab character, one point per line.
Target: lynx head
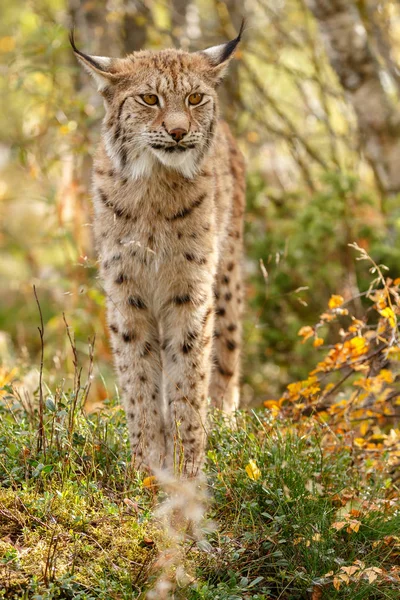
161	107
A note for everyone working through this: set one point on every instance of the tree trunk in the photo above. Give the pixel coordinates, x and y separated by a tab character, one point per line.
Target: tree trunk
352	58
136	19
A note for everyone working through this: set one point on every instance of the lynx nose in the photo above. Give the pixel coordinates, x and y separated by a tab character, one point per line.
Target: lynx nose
178	134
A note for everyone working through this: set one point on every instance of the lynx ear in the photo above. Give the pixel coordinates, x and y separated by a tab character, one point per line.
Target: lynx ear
220	56
97	66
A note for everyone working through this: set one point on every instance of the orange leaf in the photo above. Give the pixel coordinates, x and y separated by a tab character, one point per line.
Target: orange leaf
306	332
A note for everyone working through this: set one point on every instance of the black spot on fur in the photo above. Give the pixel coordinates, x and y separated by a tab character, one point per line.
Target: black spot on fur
147	349
220	311
185	212
120	279
225	279
228	296
136	302
104	199
224	372
231	345
128	337
114	328
179	300
123	157
230	266
232	327
142	378
118	212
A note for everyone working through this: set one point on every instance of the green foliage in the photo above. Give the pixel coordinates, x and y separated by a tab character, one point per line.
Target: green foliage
76	522
303	243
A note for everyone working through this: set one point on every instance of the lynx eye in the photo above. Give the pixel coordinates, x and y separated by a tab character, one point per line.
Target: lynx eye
195	99
150	99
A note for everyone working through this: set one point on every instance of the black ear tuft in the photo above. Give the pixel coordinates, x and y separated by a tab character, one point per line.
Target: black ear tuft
85	57
230	47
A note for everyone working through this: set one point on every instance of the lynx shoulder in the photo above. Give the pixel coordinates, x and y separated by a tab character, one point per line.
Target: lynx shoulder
168	193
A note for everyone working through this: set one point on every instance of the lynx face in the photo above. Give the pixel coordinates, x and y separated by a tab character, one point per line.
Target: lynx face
161	107
170	130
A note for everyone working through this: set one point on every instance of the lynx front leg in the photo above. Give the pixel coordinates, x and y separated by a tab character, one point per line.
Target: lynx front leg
187	338
138	361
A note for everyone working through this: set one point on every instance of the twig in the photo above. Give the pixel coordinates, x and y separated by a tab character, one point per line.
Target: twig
41	442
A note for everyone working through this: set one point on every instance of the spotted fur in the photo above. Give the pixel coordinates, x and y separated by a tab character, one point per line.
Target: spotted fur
168	226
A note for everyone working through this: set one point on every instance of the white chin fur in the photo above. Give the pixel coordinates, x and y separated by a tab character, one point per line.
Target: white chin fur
143	165
184	162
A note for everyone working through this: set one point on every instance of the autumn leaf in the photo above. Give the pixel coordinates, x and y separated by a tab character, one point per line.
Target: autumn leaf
353	526
335	301
253	471
336	583
316	592
306	332
149	482
388	314
372	573
318	342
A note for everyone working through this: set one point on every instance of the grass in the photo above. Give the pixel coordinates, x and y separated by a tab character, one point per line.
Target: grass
307	520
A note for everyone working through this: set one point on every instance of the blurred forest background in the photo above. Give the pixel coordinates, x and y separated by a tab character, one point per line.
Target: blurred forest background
313	100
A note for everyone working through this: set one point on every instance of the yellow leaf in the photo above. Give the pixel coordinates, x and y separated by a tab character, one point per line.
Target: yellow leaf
339	525
297	541
149	482
274	406
386	375
335	301
357	346
388	314
253	471
359	442
318	342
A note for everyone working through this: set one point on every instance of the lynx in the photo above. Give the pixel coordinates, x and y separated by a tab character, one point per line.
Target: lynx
168	193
